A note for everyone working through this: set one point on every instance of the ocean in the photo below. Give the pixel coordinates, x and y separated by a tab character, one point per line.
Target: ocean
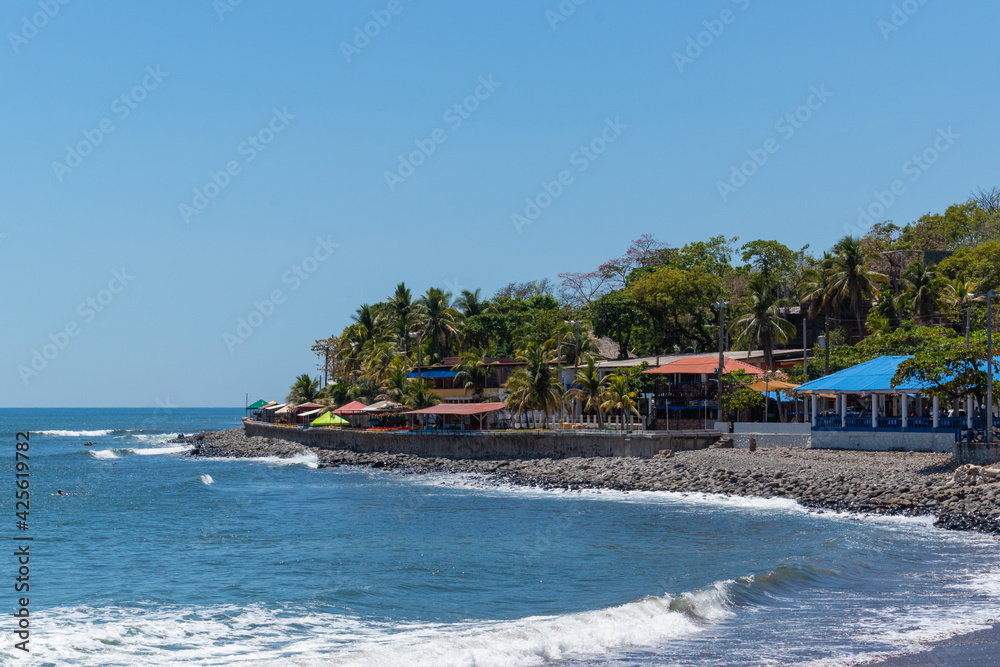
156	558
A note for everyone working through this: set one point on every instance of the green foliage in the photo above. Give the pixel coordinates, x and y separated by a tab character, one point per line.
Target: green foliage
678	303
773	260
615	315
304	390
590	390
960	225
762	323
736	393
536	386
980	265
906	339
953	372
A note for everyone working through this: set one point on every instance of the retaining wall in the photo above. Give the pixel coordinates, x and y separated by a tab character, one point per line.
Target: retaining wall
493	444
978	453
884	441
792	434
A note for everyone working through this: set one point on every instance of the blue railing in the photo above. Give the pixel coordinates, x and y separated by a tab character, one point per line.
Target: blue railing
917	423
859	422
890	422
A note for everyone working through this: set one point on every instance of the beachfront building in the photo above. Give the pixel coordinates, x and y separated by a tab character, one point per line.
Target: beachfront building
443	380
686	391
859	408
458	416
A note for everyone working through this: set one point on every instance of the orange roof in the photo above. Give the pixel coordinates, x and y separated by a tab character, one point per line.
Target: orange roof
706	365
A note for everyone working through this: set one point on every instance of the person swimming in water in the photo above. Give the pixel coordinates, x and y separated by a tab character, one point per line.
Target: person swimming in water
60	492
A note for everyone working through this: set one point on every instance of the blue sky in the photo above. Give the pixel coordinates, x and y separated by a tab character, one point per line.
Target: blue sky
96	183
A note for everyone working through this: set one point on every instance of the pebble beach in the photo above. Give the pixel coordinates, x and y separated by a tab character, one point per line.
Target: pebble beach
901	483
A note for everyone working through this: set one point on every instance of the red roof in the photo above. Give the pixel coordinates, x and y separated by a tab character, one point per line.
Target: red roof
459	409
706	365
352	408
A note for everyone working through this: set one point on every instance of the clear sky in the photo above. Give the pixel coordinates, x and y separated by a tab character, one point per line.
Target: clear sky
204	150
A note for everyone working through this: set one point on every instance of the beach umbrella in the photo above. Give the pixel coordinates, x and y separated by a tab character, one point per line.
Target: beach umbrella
258	405
329	419
773	385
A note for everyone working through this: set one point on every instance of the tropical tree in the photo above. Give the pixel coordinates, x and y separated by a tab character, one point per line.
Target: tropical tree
736	394
958	295
851	282
619	397
366	320
615	315
472	371
591	389
395	382
439	320
921	290
403	311
536	386
418	395
470	303
761	325
376	357
303	390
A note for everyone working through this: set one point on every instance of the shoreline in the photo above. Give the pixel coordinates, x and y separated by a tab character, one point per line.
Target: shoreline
864	483
886	483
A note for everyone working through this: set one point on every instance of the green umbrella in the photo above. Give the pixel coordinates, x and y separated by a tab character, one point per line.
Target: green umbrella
329	419
257	405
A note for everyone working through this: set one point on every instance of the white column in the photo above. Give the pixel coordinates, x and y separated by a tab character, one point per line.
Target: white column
815	400
875	411
902	408
934	411
968	412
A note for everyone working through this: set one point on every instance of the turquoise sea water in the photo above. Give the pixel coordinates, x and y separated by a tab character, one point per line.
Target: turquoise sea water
158	558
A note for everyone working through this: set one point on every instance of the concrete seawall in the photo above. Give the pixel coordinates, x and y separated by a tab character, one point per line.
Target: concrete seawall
491	445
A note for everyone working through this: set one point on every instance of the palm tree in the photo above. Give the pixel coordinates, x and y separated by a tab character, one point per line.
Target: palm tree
303	390
418	395
395	382
851	283
921	290
403	315
470	303
536	386
762	324
591	390
473	370
376	357
959	294
439	320
365	318
619	397
814	288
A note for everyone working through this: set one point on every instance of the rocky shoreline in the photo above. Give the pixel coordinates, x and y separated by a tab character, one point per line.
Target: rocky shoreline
899	483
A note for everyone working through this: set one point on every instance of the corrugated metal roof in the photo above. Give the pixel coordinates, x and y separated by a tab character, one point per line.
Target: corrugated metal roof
706	365
432	375
874	375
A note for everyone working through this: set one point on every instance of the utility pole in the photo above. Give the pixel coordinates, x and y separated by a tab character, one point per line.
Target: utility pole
826	329
805	350
967	328
989	366
576	356
721	307
562	404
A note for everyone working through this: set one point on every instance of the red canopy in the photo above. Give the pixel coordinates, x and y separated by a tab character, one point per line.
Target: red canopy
706	365
459	409
352	408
